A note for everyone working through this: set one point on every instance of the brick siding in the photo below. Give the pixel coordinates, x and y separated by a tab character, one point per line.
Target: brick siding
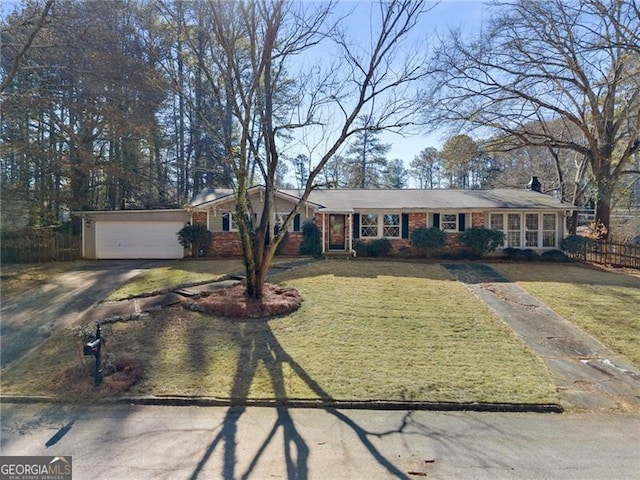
227	244
199	218
477	219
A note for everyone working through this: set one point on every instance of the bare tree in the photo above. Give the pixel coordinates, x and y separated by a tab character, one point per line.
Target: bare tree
540	62
259	42
36	23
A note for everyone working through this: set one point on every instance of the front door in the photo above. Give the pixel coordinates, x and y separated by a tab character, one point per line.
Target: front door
337	235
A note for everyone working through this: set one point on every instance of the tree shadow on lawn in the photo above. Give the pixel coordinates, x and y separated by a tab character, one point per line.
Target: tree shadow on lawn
367	268
259	344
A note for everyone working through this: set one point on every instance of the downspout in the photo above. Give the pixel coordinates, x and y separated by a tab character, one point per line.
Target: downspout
84	236
349	231
323	232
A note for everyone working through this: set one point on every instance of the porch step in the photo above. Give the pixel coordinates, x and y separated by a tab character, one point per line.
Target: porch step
338	254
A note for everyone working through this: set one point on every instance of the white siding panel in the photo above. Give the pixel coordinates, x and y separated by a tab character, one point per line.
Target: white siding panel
125	240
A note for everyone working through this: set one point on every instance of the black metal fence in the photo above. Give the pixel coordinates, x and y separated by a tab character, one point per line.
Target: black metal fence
38	245
614	254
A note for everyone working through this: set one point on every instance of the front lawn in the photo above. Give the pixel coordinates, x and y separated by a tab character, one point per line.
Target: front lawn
605	304
366	331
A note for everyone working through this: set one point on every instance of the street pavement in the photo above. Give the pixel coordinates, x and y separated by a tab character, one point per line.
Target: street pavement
113	442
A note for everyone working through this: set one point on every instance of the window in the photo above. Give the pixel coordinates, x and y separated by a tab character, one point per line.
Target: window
369	225
497	221
383	225
449	222
527	230
229	223
548	229
513	230
294	226
391	226
531	222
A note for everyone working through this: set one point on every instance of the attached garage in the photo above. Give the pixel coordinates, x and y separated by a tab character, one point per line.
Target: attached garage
132	234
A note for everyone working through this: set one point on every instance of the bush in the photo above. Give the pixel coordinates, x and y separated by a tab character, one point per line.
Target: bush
480	240
311	242
428	239
576	245
511	253
374	248
196	237
554	256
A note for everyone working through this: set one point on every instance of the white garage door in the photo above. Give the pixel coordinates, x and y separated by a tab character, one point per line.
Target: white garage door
117	240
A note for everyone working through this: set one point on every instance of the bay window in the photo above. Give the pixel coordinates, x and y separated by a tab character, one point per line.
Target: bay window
549	230
514	221
531	230
526	230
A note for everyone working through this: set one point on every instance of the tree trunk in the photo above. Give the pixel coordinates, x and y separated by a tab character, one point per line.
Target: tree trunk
603	211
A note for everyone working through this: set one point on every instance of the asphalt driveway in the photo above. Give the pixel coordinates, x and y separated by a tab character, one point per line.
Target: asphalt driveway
28	319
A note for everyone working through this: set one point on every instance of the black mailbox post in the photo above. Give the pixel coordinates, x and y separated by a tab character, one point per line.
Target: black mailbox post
93	348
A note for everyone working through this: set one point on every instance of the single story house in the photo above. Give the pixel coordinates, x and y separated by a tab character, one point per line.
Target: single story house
528	218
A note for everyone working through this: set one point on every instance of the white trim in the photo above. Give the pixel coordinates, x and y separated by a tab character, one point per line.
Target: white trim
456	221
380	226
522	230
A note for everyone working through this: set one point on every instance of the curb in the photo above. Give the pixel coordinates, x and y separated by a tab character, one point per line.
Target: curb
180	401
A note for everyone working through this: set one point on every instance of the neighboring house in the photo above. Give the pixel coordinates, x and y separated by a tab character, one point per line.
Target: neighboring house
528	218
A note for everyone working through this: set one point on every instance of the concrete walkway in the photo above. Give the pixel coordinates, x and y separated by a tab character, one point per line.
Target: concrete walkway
586	373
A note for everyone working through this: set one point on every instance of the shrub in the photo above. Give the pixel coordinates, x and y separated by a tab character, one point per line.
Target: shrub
576	245
480	240
554	256
311	243
511	253
374	248
196	237
428	239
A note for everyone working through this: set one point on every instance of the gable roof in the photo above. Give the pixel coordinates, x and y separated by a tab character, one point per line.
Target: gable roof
348	200
431	199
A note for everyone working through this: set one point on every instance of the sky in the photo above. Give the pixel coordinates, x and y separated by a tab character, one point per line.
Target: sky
465	14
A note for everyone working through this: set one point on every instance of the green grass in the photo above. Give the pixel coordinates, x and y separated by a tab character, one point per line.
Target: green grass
366	331
605	304
176	274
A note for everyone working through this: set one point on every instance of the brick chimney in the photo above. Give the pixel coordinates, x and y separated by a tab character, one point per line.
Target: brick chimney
534	185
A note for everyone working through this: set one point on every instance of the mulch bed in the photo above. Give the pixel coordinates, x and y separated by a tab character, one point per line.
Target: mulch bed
233	303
